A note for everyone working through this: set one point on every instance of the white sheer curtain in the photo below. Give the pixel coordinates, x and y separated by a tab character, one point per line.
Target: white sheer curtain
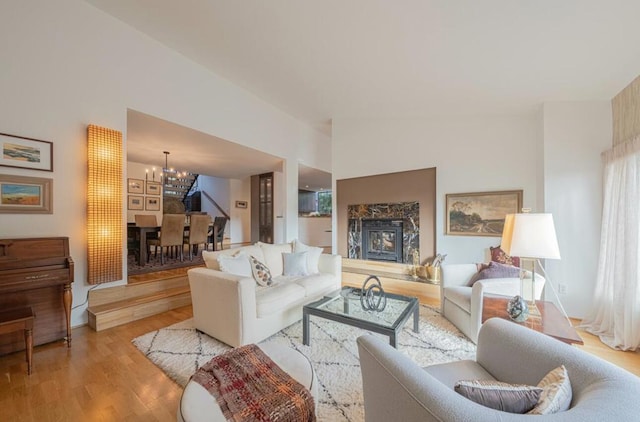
615	315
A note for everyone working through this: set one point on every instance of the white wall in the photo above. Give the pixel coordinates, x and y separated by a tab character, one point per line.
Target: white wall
240	224
220	190
69	64
575	133
552	154
470	155
315	231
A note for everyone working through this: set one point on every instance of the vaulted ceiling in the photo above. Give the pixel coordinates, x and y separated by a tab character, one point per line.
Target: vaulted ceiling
319	60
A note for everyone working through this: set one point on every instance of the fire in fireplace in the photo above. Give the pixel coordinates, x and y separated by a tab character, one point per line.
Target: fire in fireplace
382	239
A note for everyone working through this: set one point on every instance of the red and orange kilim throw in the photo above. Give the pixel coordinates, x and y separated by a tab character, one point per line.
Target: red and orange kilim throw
249	386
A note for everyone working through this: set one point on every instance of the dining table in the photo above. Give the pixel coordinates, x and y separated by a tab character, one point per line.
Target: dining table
139	233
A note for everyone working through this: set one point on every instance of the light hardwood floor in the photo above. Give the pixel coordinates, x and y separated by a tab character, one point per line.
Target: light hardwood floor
103	377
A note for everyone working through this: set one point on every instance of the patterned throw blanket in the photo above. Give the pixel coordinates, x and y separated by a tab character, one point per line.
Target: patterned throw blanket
249	386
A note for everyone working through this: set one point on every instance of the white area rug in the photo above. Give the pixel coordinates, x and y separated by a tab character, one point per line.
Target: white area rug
180	349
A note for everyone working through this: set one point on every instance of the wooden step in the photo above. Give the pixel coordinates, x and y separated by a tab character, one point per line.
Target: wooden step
119	305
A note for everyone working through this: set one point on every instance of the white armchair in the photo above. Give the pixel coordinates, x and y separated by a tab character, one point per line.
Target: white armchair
462	304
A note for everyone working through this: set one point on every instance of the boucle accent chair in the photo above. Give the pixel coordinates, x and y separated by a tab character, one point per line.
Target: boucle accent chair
397	389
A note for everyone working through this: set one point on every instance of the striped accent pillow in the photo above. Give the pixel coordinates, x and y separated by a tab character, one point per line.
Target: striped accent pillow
556	393
512	398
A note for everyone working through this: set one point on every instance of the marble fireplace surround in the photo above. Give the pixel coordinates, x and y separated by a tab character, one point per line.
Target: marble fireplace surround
408	212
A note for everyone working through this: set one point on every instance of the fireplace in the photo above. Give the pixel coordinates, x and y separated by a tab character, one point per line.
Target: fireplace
382	240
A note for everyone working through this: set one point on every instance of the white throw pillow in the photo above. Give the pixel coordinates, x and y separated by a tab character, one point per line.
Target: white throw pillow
295	263
313	255
237	264
273	256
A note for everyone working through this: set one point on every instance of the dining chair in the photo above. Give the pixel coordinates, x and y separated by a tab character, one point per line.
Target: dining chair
171	234
198	232
219	224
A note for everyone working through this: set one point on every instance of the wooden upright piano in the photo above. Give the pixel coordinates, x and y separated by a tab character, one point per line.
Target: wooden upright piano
37	272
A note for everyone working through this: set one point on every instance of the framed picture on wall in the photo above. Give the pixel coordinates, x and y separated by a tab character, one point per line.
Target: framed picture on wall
135	186
154	188
27	153
152	204
480	213
135	202
25	195
241	204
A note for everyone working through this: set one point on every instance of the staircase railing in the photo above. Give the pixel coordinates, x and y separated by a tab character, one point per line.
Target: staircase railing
215	204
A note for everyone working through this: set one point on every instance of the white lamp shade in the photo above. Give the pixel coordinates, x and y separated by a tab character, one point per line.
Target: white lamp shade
530	236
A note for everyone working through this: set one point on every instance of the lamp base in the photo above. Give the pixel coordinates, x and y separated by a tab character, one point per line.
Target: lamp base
534	312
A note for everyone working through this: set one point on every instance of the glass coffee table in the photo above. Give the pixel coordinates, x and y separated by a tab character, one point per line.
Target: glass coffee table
344	306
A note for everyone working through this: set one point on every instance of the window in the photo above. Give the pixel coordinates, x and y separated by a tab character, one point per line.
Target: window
316	203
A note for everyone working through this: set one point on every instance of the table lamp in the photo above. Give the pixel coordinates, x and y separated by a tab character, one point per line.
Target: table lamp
530	237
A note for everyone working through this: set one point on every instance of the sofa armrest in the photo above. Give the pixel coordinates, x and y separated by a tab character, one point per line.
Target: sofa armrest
330	264
224	304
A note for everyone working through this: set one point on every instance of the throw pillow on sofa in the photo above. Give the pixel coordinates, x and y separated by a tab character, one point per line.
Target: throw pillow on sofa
313	255
261	273
295	264
237	264
273	256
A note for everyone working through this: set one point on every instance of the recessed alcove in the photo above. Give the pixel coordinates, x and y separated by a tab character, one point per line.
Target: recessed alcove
407	196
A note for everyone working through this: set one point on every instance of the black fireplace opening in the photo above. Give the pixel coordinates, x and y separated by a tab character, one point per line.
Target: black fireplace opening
382	240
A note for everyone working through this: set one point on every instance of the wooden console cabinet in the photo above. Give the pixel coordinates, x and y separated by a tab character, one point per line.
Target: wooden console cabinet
37	273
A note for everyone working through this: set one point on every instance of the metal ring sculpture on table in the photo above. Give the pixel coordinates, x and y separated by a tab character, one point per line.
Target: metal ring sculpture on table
373	297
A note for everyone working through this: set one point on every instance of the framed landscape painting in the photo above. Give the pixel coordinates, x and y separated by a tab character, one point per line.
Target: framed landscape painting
24	195
480	213
17	151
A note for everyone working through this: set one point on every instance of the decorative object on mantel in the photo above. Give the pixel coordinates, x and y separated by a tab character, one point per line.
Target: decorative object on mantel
373	297
433	269
416	264
518	309
480	213
25	195
26	153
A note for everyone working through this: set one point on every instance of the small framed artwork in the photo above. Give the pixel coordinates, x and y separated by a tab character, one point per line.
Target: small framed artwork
480	213
154	188
135	186
25	195
135	202
241	204
152	204
27	153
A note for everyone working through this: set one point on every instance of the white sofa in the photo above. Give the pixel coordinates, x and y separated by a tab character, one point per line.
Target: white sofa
462	305
236	311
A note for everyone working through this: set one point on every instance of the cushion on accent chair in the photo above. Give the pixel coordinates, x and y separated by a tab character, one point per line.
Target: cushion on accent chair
512	398
556	393
500	256
495	270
